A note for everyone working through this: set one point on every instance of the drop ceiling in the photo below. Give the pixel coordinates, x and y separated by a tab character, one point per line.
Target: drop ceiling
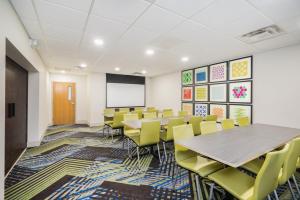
206	31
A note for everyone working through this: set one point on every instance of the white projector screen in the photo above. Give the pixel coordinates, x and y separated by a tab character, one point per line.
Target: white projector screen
125	95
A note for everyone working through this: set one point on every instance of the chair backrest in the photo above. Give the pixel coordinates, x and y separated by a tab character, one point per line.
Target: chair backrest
182	132
195	121
208	127
267	178
151	109
227	124
124	110
171	124
150	115
139	113
211	118
118	118
290	161
150	133
182	113
243	121
139	109
109	111
167	113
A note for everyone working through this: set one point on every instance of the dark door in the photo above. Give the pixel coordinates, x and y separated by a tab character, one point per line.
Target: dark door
15	112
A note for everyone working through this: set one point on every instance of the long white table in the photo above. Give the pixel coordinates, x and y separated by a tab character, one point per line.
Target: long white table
240	145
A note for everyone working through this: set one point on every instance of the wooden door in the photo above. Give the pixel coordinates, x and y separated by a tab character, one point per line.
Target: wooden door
64	103
16	91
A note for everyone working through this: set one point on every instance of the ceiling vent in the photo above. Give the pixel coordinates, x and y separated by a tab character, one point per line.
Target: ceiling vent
137	74
262	34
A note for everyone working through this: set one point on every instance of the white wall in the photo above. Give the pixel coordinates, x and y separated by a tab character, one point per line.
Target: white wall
82	113
165	91
276	86
12	29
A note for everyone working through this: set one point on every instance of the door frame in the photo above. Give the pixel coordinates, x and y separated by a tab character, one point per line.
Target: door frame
52	99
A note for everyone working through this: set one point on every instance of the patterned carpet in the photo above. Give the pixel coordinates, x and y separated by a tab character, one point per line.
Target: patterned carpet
80	163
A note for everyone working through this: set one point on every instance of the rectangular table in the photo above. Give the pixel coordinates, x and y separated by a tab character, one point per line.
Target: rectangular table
240	145
137	124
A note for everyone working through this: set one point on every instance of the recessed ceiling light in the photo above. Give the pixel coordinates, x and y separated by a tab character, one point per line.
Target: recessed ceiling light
185	59
149	52
117	69
99	42
62	71
144	71
83	65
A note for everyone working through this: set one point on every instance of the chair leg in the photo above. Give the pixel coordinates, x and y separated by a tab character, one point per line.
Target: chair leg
176	174
291	189
158	151
164	145
269	198
128	148
276	195
199	193
211	191
295	182
138	155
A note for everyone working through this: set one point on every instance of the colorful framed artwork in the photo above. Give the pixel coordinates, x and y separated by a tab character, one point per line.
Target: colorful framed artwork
218	109
201	75
201	93
188	107
218	92
238	111
218	72
240	92
240	69
187	94
201	109
187	77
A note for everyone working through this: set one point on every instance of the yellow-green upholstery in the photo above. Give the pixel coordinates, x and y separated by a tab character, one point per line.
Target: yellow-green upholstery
118	118
188	159
208	127
150	115
243	121
245	187
167	113
182	113
151	109
211	118
124	110
298	163
195	121
108	111
139	113
227	124
139	109
127	130
167	135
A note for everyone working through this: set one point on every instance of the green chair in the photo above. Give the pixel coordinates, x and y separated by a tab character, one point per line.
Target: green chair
167	135
107	119
245	187
124	110
117	122
139	113
139	109
151	109
150	115
167	113
243	121
195	121
148	136
182	113
127	130
227	124
208	127
289	166
190	160
211	118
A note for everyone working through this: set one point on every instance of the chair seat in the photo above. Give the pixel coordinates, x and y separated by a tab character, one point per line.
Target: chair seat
298	163
254	165
200	165
131	132
136	140
108	122
234	181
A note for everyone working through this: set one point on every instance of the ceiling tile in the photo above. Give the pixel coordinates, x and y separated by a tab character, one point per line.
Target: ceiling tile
124	11
75	4
158	20
24	8
62	33
278	9
185	8
61	16
33	28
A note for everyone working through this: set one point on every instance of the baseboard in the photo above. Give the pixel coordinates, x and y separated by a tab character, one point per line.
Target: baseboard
15	162
96	124
35	143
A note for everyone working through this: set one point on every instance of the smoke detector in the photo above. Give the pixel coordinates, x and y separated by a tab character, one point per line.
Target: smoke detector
262	34
34	43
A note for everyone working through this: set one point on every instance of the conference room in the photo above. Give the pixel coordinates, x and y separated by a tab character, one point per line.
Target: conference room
150	99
